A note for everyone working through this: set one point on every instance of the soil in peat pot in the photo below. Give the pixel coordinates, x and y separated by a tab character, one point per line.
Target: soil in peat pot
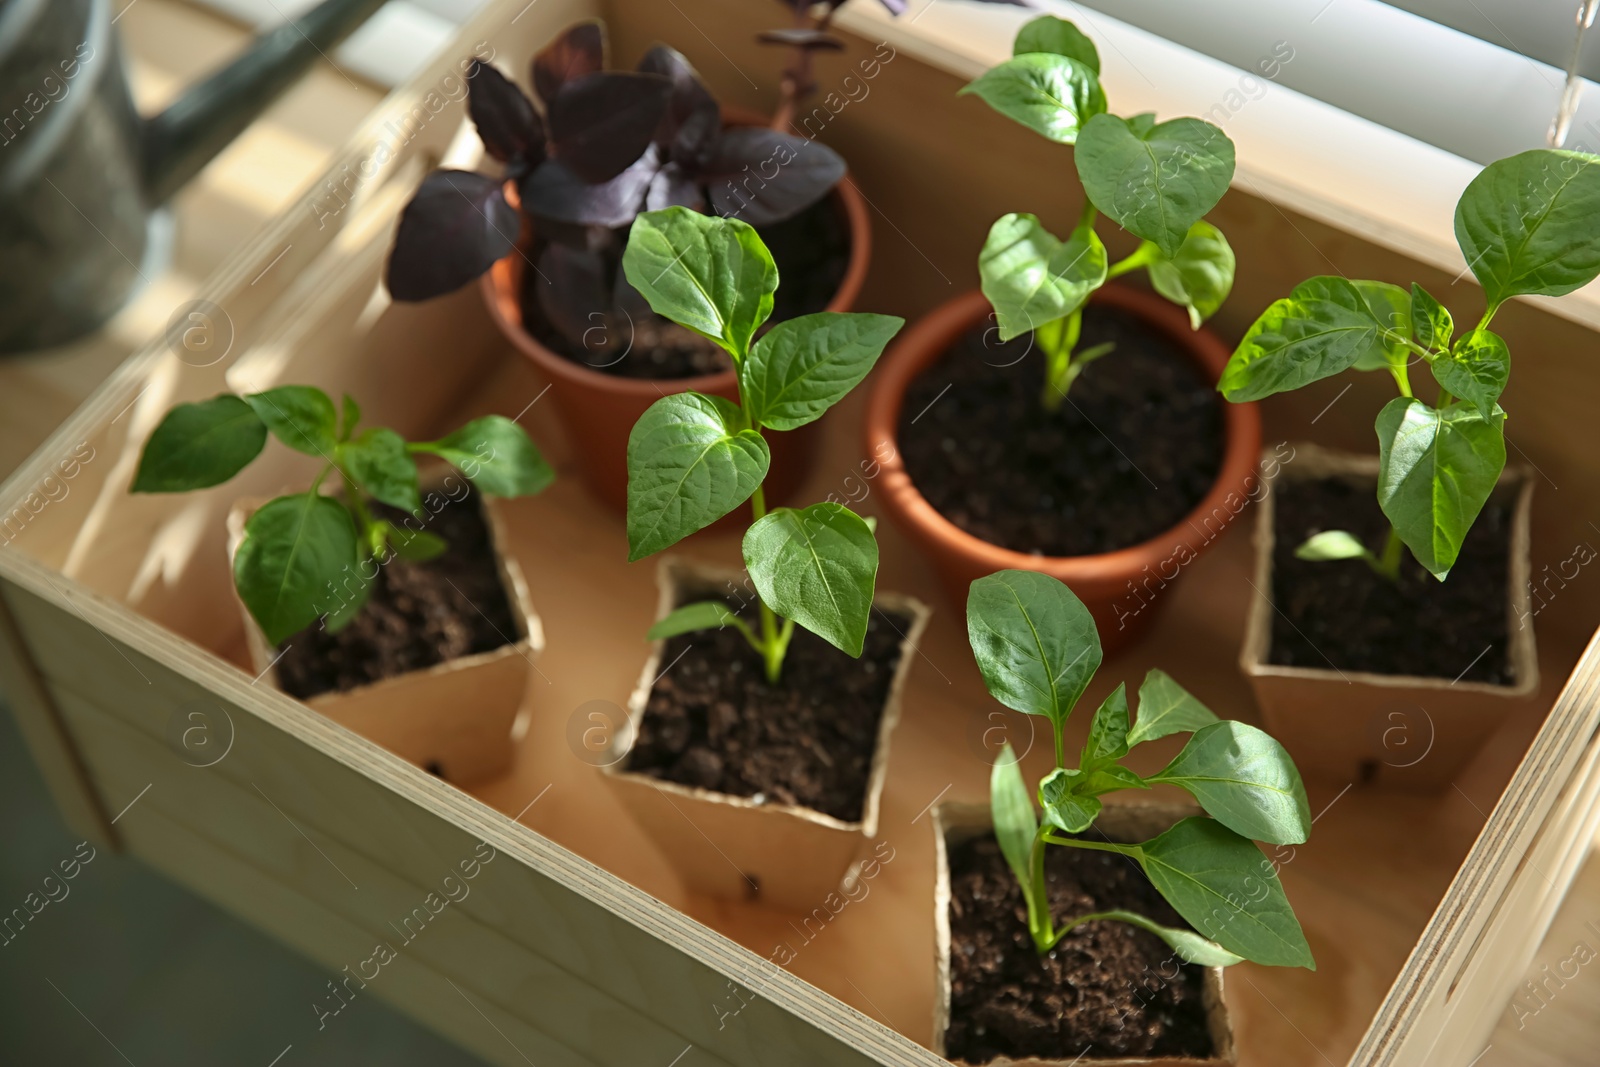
812	252
1340	613
1107	990
417	615
1133	449
713	721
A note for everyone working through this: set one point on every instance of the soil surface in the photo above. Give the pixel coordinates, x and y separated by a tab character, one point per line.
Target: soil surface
1107	990
713	720
1133	449
1341	613
417	615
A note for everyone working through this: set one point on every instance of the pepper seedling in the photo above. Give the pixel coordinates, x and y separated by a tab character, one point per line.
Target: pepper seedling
1154	179
307	556
1037	648
693	458
1527	225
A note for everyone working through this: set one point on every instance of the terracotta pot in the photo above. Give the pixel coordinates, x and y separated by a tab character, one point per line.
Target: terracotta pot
598	410
781	855
460	719
956	823
1405	730
1121	588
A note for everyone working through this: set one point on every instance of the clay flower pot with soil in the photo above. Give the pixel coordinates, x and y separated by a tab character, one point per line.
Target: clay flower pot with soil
1360	576
385	603
762	724
1109	947
1076	435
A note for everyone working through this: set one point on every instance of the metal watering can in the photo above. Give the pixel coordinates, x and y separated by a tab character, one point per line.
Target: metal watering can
82	173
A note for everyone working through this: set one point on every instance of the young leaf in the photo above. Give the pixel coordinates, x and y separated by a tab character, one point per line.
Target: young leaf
418	546
1227	890
555	192
1111	778
1035	643
1054	95
1166	708
763	176
1320	329
1390	307
1477	371
1200	276
816	566
507	123
1157	182
1012	809
351	415
1032	279
293	548
1108	731
1436	470
349	595
380	465
1050	34
1245	780
1065	808
702	615
496	455
200	445
1332	545
691	460
693	116
580	50
711	275
1530	224
300	416
602	122
453	230
805	365
1430	320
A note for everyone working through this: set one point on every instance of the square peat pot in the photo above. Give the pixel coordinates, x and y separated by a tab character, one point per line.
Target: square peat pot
461	718
1406	730
785	856
957	823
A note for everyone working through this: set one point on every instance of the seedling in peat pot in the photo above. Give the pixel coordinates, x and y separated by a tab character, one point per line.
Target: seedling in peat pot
1528	225
1037	649
1154	179
693	458
302	556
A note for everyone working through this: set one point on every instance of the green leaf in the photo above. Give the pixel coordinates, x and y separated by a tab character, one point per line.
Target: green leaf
1331	545
1190	946
1323	327
294	549
702	615
1226	889
1477	371
712	275
1064	807
1390	307
1108	731
1431	324
1054	95
496	455
1035	643
352	415
1032	278
418	546
350	595
1012	811
1166	708
1154	182
1110	778
381	466
1200	276
300	416
1436	470
816	566
200	445
1530	224
691	460
1050	34
804	366
1245	780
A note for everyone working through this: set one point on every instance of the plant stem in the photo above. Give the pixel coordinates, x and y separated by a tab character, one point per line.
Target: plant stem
1139	257
1057	339
1388	564
1094	846
1040	925
773	646
797	81
1402	378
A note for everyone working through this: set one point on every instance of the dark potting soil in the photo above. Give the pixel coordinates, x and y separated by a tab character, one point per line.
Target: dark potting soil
1107	990
713	720
812	252
1340	613
1133	449
418	614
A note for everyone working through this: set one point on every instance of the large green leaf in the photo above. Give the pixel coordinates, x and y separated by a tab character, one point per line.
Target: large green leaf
1323	327
804	366
300	416
1436	470
1108	730
1226	889
1050	34
496	455
1477	371
1200	276
1245	780
1031	278
710	274
691	460
817	566
381	466
1165	708
1157	181
296	551
1012	810
1051	94
1065	807
1530	224
200	445
1035	643
1391	309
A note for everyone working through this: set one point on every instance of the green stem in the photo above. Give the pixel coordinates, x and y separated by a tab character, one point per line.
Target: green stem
1142	256
1096	916
772	646
1402	378
1058	339
1094	846
1039	922
1388	564
1488	313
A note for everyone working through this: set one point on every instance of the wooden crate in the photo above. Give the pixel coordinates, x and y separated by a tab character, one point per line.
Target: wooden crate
575	945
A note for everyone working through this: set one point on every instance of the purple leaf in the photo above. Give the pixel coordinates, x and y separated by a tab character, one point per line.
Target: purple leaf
601	123
801	38
579	50
573	293
693	118
671	187
506	121
762	176
555	192
453	230
896	7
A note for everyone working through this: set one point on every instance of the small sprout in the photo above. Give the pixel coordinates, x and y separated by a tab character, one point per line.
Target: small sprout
1340	544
